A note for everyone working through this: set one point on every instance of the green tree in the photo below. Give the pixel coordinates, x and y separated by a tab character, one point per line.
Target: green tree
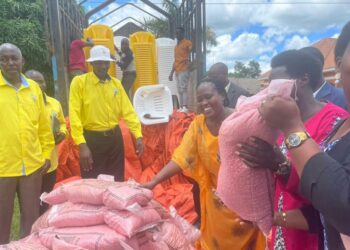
254	70
160	27
22	23
251	70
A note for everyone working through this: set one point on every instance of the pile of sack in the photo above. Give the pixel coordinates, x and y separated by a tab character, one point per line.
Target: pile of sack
160	141
101	215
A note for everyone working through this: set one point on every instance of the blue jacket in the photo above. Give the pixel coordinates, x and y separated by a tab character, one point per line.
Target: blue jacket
332	94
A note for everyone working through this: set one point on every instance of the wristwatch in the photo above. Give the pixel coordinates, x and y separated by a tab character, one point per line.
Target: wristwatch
294	140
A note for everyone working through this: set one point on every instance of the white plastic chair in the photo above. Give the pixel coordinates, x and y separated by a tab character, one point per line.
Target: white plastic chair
165	55
153	104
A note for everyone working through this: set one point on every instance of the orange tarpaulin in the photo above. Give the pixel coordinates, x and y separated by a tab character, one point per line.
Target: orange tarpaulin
160	142
68	158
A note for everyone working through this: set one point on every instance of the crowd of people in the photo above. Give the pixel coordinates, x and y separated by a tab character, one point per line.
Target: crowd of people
310	160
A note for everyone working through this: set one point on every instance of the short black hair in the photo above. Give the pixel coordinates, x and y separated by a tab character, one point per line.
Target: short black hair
342	42
299	64
222	66
218	86
314	52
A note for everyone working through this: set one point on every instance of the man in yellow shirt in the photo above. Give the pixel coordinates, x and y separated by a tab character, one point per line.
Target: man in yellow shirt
181	66
97	103
59	130
26	142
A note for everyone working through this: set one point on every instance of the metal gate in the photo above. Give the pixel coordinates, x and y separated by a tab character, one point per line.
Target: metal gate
66	19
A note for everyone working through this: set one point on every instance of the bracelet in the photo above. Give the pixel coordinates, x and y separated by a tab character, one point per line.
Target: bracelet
283	168
284	219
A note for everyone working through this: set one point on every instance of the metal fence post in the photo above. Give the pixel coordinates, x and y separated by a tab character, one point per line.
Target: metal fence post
60	73
199	36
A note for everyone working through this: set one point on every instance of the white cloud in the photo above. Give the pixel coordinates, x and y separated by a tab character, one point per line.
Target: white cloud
271	23
245	47
297	42
264	62
228	18
285	17
336	35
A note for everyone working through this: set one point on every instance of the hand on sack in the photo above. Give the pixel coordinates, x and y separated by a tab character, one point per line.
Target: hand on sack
45	167
280	112
257	153
245	223
279	219
86	160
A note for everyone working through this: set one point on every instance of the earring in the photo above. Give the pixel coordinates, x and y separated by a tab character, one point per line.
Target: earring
338	79
338	76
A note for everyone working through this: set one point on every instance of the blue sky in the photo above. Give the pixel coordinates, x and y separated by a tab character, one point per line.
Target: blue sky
256	29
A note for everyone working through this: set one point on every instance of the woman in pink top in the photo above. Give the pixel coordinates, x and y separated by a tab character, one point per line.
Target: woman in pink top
297	223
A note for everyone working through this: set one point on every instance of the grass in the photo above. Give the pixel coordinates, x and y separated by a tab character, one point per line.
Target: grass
15	222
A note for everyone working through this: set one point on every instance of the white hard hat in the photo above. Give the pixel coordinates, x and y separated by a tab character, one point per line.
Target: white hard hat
100	53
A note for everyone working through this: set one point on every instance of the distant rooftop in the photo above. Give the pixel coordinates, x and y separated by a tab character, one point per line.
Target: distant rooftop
326	46
128	29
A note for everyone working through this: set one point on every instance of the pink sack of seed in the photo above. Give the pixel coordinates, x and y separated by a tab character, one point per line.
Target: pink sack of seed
173	236
33	238
129	223
123	196
89	191
154	245
56	196
105	177
41	223
191	233
23	245
69	214
162	211
132	243
248	192
96	237
59	244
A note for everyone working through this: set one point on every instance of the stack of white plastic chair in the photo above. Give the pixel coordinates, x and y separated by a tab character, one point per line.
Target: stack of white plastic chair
117	41
153	104
165	54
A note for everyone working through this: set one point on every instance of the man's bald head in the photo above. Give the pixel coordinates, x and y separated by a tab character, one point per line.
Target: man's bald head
9	46
11	62
221	67
37	77
32	72
219	72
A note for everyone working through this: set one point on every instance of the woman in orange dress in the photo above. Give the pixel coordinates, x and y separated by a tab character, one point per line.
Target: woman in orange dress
198	157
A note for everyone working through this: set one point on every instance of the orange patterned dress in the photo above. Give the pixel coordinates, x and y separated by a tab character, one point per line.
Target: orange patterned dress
198	156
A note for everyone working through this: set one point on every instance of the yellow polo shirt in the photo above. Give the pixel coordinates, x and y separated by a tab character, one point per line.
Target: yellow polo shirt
99	106
54	109
25	131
